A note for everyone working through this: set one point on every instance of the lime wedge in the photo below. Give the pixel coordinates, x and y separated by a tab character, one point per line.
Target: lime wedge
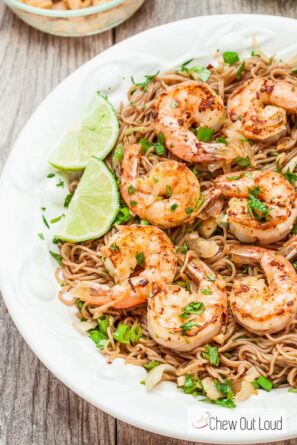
93	207
95	135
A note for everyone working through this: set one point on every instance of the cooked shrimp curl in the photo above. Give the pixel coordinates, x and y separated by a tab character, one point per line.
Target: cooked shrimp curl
182	320
261	106
261	307
167	196
263	205
136	257
190	104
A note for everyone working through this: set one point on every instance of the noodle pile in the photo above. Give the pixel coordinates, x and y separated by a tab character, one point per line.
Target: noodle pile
274	356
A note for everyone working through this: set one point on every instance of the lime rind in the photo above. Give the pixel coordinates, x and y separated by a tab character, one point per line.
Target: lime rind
93	207
96	135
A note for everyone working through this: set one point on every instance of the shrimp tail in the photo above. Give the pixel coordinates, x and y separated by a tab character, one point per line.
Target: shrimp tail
92	293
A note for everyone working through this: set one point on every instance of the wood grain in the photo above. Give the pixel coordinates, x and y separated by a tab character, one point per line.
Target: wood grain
35	408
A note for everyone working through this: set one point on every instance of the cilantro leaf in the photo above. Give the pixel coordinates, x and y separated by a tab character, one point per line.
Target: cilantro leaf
202	72
126	334
57	257
195	307
118	154
151	365
290	176
230	57
243	162
192	385
123	215
240	71
67	200
185	327
211	354
148	78
204	134
256	208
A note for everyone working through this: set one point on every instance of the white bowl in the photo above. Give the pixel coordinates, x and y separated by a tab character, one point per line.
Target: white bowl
27	270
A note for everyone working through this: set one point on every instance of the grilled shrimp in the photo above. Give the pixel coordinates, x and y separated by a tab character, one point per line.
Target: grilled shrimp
261	106
167	196
182	320
263	205
190	104
142	250
261	307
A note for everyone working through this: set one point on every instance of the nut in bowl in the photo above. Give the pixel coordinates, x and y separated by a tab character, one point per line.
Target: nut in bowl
74	18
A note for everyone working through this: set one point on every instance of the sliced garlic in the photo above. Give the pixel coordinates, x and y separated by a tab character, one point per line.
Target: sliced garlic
208	227
210	388
84	326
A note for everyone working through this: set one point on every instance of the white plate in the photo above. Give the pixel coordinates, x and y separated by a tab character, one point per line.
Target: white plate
27	270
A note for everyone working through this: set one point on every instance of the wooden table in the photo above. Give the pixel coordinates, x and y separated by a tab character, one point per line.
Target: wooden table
35	408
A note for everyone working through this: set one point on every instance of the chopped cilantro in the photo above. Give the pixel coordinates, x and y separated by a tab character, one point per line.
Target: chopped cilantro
140	260
203	73
204	134
126	334
192	385
227	401
240	70
148	78
212	355
255	207
222	140
264	383
151	365
159	145
200	202
60	183
57	257
118	154
67	200
243	162
133	203
145	144
45	221
185	327
206	291
131	189
99	335
184	248
173	207
57	219
195	307
168	191
290	176
230	57
41	236
123	215
51	175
